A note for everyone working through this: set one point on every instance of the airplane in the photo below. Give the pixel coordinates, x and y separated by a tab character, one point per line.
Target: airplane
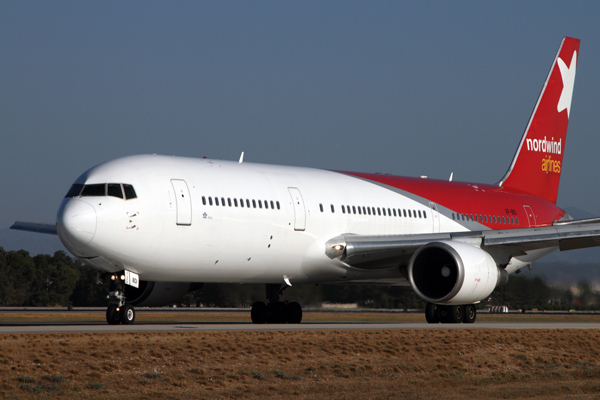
159	226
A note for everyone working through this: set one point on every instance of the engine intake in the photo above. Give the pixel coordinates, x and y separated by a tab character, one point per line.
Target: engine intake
454	273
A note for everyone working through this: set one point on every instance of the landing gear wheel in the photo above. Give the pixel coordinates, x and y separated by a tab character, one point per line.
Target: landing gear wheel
454	314
470	314
113	316
294	313
258	314
278	313
431	313
127	314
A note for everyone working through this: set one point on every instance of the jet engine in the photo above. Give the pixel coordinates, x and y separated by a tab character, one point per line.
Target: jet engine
156	294
454	273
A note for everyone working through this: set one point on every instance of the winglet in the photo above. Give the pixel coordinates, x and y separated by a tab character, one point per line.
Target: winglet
537	164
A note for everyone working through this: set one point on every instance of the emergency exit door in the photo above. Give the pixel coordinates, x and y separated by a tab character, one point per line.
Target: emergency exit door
299	212
183	202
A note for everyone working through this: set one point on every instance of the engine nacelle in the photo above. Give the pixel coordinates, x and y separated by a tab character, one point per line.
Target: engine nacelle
156	294
454	273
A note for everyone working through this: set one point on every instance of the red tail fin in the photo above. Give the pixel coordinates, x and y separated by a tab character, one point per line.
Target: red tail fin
537	164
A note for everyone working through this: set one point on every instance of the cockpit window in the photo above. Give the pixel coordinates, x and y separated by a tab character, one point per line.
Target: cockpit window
114	189
129	192
102	189
75	190
94	190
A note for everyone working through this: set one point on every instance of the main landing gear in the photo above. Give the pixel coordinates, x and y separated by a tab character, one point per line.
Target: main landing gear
118	312
275	311
451	314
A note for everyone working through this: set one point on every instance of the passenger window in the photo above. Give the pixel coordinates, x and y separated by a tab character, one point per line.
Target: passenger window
517	219
378	211
114	190
203	200
359	210
242	203
210	200
394	210
272	205
389	212
229	201
343	209
321	207
419	213
235	203
94	190
266	204
248	203
332	209
76	188
216	201
424	214
409	214
405	212
369	210
277	205
259	204
415	214
253	203
223	201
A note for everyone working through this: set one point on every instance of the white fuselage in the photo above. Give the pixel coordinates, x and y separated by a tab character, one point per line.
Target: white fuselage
171	232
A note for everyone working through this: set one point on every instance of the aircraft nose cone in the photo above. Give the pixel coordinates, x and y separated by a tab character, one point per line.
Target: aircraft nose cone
77	222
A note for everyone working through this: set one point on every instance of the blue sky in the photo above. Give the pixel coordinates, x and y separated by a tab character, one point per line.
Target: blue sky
409	88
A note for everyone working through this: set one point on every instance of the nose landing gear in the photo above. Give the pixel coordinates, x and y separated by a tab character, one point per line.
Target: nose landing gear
118	312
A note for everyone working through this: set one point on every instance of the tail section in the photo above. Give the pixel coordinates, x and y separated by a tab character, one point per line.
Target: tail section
536	167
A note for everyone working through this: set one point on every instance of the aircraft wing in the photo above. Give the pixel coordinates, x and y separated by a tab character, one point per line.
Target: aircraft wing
374	252
34	227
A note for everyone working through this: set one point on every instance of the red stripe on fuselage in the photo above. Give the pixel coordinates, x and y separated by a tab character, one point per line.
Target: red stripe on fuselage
473	198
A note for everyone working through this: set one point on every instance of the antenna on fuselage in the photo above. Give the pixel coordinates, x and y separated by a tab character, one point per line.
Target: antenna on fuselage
451	174
242	158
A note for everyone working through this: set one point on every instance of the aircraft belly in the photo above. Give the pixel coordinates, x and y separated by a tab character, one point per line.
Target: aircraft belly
223	252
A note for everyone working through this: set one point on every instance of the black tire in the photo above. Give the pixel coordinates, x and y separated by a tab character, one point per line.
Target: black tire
277	313
454	314
294	313
470	314
112	315
431	313
258	314
127	314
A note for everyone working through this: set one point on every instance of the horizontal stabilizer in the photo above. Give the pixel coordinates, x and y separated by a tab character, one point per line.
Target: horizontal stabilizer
50	229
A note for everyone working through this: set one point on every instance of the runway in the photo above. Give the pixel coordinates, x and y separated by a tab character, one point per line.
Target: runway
94	327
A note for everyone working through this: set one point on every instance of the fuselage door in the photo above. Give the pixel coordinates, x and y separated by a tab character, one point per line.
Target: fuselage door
183	202
435	216
530	216
299	212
